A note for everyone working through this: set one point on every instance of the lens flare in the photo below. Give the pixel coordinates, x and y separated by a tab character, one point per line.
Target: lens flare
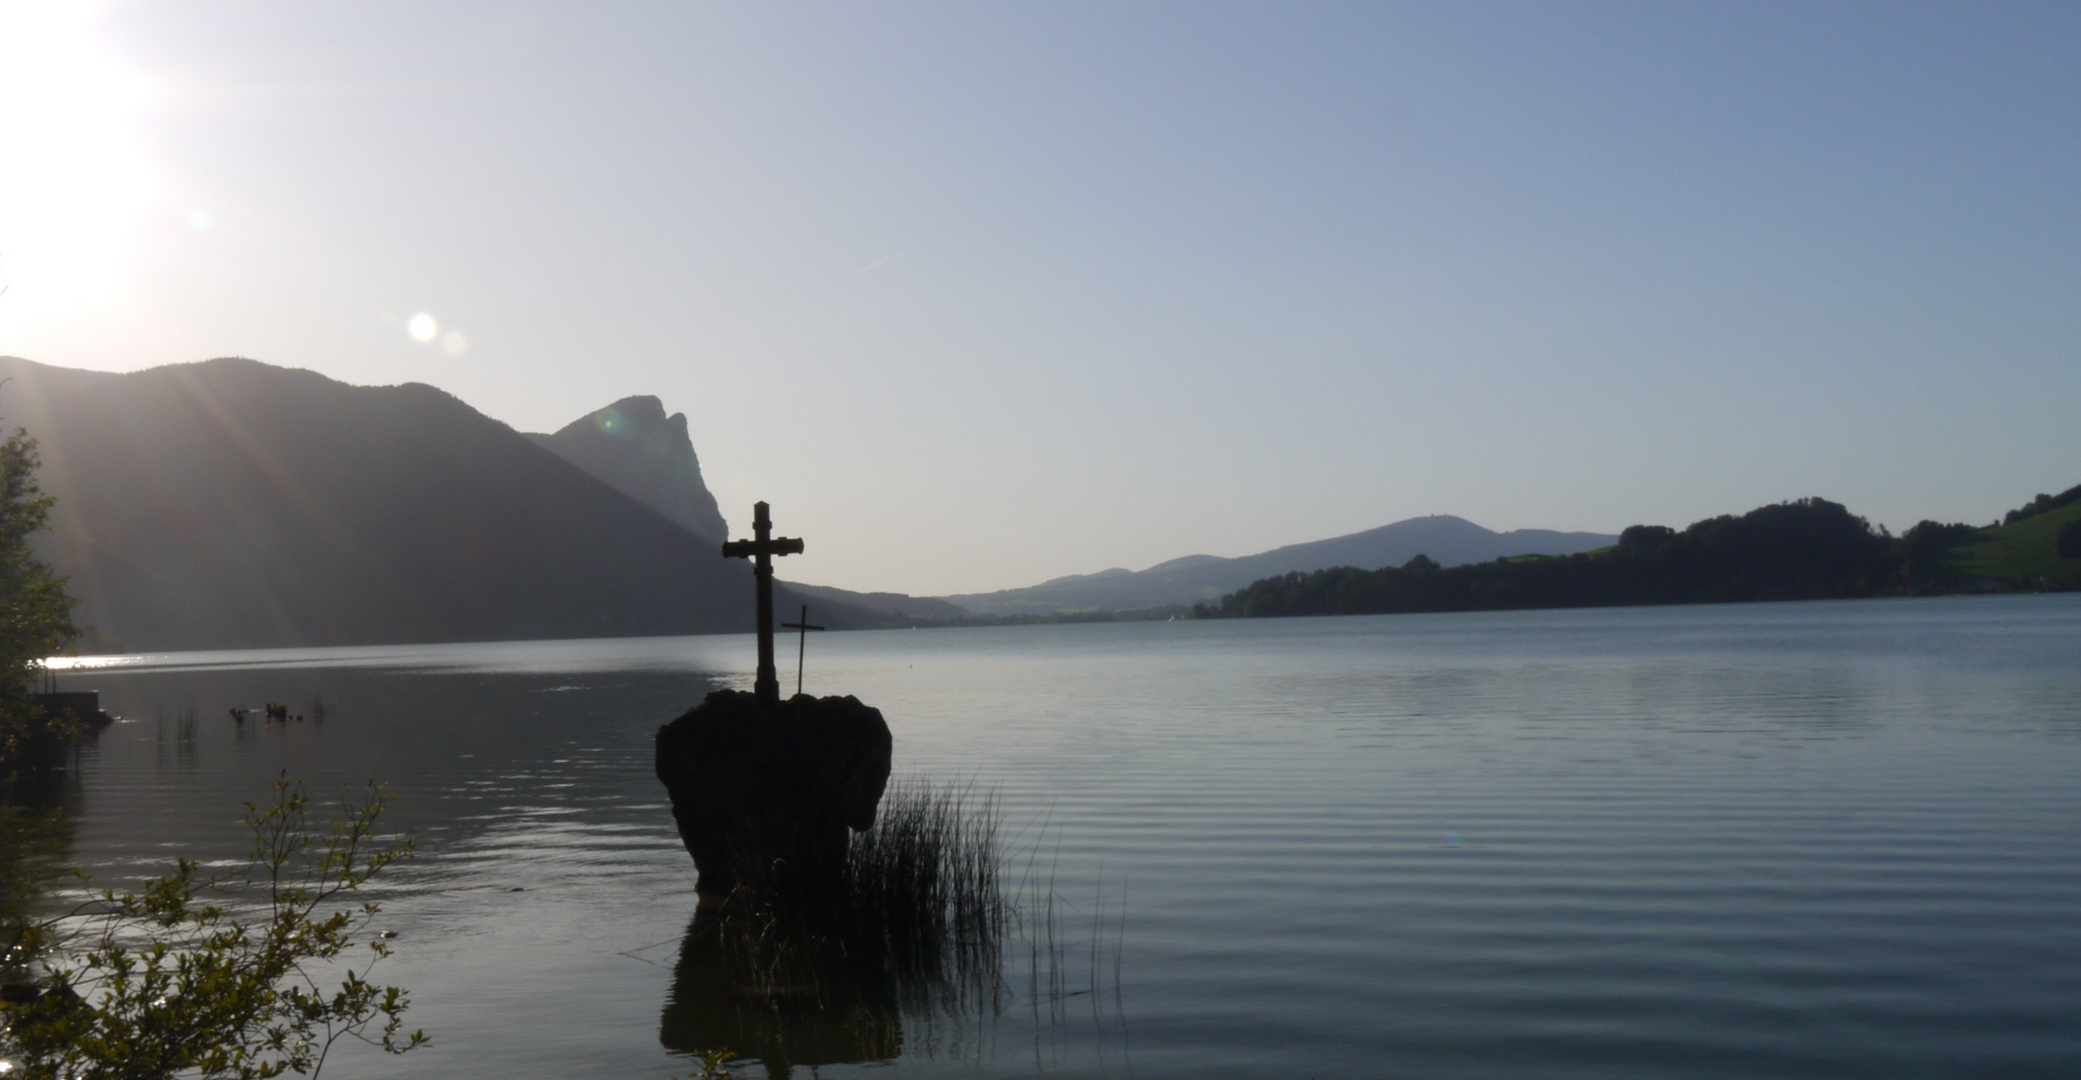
422	327
454	343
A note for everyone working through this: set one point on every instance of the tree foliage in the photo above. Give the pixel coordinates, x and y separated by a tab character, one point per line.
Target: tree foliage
160	982
35	612
1926	550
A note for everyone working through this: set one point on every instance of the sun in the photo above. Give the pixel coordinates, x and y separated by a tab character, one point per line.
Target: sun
73	180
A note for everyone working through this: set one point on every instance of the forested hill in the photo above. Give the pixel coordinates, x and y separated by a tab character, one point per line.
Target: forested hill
1810	549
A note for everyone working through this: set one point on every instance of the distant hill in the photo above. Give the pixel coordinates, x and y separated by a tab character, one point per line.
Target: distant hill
637	450
898	606
2023	554
233	504
1447	540
1809	549
2043	504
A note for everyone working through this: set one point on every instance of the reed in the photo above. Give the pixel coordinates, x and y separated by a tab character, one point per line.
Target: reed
924	884
917	914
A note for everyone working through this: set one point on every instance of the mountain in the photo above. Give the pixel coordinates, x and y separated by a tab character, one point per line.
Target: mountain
898	605
634	448
230	504
1447	540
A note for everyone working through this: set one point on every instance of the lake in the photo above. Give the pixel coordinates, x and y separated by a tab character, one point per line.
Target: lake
1790	840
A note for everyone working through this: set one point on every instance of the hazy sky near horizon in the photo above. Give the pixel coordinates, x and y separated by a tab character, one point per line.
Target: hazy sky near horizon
982	294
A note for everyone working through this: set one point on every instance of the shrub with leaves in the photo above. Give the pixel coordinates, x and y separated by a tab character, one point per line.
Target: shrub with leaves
159	982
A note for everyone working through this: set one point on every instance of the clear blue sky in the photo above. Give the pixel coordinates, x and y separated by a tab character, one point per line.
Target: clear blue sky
981	294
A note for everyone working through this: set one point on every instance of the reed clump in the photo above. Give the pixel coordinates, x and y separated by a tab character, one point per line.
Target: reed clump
925	883
918	906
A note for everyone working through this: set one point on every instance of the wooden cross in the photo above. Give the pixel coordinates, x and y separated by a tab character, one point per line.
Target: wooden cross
761	551
802	630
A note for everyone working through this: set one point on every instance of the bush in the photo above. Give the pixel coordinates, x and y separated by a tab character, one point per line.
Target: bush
2068	544
155	983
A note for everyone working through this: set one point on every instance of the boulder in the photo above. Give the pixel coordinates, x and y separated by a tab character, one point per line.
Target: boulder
765	793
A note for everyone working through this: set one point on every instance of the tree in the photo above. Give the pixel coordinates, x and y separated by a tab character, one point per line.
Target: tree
136	986
1641	539
35	612
2068	543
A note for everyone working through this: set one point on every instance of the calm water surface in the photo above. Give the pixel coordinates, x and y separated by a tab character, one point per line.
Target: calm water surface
1826	840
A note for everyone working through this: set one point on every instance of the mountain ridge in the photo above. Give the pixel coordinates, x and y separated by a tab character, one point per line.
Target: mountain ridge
1189	579
234	504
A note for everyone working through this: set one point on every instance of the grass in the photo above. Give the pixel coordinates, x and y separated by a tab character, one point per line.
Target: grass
2022	554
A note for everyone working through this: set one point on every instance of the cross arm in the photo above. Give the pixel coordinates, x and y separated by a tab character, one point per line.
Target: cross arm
746	549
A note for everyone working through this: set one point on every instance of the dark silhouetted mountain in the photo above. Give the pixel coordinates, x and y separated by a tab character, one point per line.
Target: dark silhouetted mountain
233	504
637	450
1450	541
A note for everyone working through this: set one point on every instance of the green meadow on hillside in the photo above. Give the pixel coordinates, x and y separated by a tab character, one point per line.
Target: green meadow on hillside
2022	554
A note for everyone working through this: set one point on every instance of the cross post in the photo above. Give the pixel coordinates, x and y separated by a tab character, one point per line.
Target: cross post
761	551
801	630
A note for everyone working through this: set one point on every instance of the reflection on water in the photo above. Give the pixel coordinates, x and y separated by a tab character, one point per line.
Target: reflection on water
745	983
1798	840
37	814
910	933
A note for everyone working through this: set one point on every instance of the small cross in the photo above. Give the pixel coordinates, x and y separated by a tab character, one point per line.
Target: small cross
802	630
761	551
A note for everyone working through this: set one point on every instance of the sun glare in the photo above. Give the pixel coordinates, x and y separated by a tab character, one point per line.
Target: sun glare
73	179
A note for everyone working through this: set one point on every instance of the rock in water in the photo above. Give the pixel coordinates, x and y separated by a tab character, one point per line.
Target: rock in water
768	792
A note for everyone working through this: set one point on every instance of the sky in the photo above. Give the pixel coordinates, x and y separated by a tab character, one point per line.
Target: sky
977	295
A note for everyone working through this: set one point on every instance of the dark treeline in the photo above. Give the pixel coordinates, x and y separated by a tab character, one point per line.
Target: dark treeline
1811	549
900	620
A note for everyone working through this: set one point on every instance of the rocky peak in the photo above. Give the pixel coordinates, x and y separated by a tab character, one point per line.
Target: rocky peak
635	448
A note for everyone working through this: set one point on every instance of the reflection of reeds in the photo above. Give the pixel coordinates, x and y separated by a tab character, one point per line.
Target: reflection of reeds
918	901
916	926
793	971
